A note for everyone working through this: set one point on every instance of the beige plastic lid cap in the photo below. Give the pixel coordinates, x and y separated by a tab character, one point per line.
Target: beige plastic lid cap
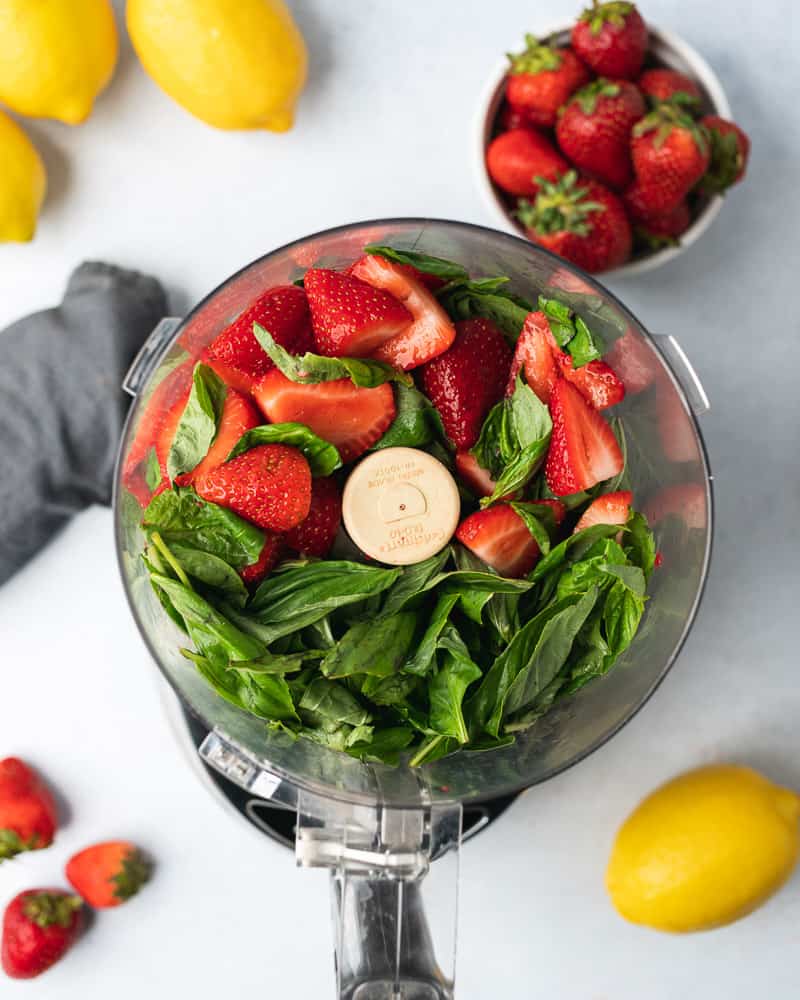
400	506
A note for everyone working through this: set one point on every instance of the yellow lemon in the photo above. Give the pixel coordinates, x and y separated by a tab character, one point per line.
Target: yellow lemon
56	56
704	849
234	65
23	183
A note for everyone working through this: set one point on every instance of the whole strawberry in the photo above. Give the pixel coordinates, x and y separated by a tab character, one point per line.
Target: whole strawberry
27	810
516	158
670	152
107	874
662	85
269	485
541	79
580	220
594	129
468	379
39	927
315	535
512	118
659	231
730	149
611	38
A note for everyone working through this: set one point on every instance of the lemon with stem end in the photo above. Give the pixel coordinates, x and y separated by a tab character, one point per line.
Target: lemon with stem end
56	56
232	65
704	849
23	183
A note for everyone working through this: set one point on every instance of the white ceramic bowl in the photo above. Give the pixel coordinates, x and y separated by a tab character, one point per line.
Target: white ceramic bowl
668	50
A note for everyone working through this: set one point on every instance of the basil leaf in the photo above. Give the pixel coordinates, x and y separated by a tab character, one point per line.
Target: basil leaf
322	457
180	516
417	422
422	262
370	647
392	690
422	658
328	702
384	747
559	318
571	549
640	543
486	297
152	470
199	421
311	368
539	520
585	346
550	653
215	636
447	687
277	663
212	571
413	581
496	442
621	616
268	698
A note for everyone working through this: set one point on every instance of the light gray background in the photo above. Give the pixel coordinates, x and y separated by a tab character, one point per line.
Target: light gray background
385	129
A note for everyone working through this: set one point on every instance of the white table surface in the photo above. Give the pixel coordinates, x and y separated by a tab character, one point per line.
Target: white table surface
384	128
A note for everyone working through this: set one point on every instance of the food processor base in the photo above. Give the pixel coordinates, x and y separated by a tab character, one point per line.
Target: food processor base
277	823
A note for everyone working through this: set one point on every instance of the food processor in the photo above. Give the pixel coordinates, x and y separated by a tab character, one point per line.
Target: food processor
390	836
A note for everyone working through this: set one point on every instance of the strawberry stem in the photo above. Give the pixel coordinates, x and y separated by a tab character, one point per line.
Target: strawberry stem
560	206
600	14
537	58
666	117
48	909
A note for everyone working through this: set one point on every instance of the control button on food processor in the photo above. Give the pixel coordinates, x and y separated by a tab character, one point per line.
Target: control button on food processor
401	506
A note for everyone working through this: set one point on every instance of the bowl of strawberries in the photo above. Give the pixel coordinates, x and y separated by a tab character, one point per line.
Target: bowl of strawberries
609	143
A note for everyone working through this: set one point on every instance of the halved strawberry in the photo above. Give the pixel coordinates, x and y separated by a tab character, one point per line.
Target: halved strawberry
500	537
583	450
349	417
269	485
239	414
596	381
271	554
431	331
350	317
612	508
534	354
466	380
238	358
314	536
474	475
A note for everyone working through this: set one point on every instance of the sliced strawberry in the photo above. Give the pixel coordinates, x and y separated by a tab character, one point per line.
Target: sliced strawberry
557	507
499	537
350	317
583	450
596	381
271	554
612	508
166	393
239	414
474	475
238	358
466	380
431	331
269	485
314	536
349	417
534	354
431	281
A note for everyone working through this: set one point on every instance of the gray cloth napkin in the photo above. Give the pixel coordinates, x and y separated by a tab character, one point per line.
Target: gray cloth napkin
61	403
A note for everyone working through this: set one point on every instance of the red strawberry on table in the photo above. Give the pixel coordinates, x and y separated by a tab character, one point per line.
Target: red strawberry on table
659	85
269	485
670	153
583	450
468	379
28	818
314	536
108	874
534	354
594	129
238	415
540	80
611	508
39	927
431	331
351	318
516	158
271	554
500	537
580	220
611	38
730	148
238	358
351	418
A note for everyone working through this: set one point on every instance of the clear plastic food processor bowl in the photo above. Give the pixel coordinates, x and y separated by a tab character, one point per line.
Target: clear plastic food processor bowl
390	836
